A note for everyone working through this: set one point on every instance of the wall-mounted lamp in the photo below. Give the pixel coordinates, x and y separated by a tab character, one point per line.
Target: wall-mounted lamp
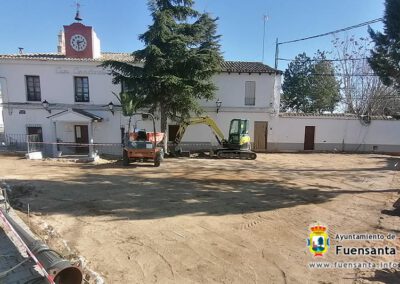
111	107
218	103
46	105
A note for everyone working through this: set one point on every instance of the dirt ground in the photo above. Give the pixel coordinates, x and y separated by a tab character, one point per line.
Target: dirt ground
214	221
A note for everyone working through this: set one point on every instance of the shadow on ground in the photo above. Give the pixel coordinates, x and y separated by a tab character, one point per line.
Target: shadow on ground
385	276
128	195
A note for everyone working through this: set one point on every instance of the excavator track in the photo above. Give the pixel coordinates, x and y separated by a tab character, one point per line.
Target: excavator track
236	154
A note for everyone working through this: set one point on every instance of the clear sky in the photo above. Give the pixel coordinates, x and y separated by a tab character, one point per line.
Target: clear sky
34	24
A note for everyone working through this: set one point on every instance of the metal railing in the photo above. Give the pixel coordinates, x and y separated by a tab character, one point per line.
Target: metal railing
34	143
250	101
14	142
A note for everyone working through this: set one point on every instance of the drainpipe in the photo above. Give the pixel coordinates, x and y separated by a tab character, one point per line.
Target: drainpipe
58	268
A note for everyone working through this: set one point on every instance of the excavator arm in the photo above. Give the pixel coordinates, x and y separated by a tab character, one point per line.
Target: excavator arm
200	120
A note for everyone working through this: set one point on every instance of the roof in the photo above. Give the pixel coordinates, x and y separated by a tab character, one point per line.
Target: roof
332	115
226	66
81	112
247	67
88	114
126	57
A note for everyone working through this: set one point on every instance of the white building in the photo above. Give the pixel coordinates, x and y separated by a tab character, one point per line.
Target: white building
334	133
1	116
64	97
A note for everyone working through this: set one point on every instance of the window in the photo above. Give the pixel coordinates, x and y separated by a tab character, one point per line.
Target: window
35	133
250	93
33	88
81	89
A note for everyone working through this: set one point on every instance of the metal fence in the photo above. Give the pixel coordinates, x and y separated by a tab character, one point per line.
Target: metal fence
108	149
33	143
14	142
22	143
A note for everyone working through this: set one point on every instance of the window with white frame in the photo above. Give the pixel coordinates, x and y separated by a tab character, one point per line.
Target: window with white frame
250	93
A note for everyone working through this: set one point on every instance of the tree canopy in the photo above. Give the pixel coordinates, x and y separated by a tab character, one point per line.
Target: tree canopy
362	91
180	56
385	57
310	85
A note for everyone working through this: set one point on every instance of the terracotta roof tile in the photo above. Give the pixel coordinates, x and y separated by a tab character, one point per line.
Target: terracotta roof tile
226	66
332	115
127	57
247	67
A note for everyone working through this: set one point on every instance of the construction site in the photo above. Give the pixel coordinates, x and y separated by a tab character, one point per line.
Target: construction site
211	220
183	141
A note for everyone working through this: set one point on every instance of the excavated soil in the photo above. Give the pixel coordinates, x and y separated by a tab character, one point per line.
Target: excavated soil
214	221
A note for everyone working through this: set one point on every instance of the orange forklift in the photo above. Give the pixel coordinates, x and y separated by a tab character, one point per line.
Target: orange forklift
141	146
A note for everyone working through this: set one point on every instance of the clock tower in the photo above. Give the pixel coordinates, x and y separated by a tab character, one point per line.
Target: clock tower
79	41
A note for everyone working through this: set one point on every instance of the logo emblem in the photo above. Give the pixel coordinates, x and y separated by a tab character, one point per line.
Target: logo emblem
318	242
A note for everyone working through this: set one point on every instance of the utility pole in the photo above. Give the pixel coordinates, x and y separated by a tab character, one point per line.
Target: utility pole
276	53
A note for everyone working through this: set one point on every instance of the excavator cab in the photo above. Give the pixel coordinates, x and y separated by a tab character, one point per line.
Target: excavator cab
239	134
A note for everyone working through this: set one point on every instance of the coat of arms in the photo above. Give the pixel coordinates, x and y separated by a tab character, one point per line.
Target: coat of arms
318	242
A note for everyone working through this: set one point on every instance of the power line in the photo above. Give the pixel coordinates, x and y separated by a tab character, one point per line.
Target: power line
321	35
324	60
334	32
340	74
343	74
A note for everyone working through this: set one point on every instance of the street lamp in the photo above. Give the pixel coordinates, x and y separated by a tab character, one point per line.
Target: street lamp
46	105
111	107
218	103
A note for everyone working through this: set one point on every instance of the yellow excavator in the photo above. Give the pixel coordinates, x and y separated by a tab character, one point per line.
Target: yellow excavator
237	146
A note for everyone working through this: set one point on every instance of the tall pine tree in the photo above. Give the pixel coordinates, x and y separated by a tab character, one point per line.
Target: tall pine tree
296	85
325	89
181	55
310	85
385	57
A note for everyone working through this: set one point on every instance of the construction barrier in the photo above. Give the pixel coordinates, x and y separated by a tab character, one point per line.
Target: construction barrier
113	149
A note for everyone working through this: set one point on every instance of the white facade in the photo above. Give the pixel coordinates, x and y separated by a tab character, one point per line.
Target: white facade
1	105
57	88
283	132
335	133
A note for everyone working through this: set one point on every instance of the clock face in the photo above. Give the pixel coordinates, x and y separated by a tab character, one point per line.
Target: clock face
78	42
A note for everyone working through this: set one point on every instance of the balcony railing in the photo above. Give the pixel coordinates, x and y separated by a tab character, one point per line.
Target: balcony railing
250	101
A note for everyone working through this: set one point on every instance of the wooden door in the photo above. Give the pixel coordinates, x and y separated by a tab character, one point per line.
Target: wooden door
260	135
172	131
81	137
309	136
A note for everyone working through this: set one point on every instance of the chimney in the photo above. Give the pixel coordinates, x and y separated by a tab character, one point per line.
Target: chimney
61	43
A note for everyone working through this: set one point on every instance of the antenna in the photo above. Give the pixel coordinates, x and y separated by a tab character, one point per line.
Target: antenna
265	19
77	15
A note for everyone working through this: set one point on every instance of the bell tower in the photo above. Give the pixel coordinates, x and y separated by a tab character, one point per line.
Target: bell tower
79	40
